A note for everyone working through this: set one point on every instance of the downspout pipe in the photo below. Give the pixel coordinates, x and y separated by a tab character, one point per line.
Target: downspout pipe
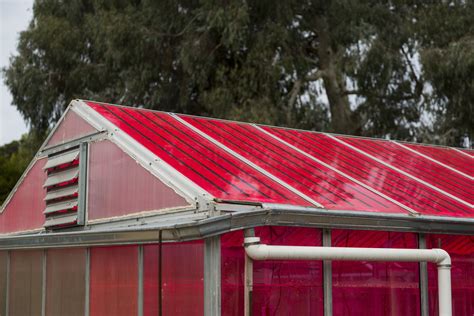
257	251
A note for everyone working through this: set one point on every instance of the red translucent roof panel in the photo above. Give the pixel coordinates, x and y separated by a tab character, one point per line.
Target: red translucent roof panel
449	156
427	170
319	182
401	188
216	171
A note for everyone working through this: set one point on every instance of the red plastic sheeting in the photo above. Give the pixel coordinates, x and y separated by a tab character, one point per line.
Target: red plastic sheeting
424	169
322	184
405	190
119	186
461	250
447	156
210	167
25	210
183	278
113	280
280	287
71	127
375	288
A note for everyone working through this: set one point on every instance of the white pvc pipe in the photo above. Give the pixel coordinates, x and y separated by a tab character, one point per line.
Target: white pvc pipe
257	251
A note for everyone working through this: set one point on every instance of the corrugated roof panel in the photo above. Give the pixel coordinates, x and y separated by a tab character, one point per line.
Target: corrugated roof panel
447	156
319	182
424	169
396	185
210	167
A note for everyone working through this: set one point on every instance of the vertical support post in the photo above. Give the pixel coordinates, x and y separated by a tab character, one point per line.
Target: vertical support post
7	298
327	275
424	304
140	280
43	286
87	283
212	276
82	193
248	278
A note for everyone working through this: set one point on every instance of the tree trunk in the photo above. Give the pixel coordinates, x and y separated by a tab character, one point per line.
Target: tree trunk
342	118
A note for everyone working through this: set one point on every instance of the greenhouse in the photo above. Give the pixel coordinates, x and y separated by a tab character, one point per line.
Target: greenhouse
127	211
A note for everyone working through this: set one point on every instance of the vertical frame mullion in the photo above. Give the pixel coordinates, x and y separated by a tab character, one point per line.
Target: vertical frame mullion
212	276
87	281
82	190
140	280
327	275
7	298
423	266
160	276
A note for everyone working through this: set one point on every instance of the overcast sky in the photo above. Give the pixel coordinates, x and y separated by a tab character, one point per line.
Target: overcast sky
14	17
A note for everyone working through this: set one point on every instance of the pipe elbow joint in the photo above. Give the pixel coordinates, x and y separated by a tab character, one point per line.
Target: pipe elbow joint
443	258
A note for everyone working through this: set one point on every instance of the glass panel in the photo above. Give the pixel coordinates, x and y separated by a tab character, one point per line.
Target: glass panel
183	278
418	166
72	127
26	279
113	280
3	281
25	210
288	287
374	174
322	184
65	281
221	174
461	250
375	288
119	186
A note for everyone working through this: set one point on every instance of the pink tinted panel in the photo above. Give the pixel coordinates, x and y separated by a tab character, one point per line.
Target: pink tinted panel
151	269
183	278
418	166
210	167
25	210
288	287
232	273
380	177
113	280
447	156
72	127
375	288
119	186
322	184
461	250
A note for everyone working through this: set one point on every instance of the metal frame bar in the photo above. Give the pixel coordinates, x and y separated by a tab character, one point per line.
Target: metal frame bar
43	286
82	190
212	276
203	228
248	277
423	282
327	275
7	298
160	276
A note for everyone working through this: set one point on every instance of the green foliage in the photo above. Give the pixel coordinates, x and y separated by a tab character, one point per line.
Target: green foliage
14	158
383	65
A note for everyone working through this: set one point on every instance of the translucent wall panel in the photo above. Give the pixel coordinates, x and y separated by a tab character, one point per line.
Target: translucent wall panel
65	282
71	127
151	280
119	186
375	288
26	280
3	281
280	287
113	280
183	279
25	209
461	250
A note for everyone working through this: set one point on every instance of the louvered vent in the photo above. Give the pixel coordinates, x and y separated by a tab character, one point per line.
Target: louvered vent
65	188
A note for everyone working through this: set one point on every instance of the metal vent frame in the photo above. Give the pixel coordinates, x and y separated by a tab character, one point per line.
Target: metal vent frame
66	207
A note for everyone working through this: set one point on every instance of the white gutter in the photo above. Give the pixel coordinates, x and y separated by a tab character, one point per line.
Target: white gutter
257	251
